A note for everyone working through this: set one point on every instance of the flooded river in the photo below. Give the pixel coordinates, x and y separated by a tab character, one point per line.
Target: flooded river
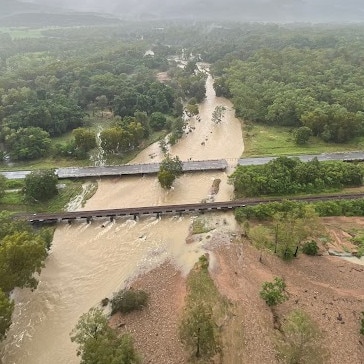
88	262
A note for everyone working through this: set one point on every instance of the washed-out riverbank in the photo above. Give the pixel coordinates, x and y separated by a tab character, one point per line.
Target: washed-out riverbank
88	262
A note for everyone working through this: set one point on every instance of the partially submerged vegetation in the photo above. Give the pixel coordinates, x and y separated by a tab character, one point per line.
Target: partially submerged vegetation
22	253
15	200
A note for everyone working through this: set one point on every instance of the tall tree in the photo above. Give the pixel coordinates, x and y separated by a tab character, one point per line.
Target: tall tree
28	143
41	185
6	311
85	140
21	254
169	170
2	185
302	340
198	330
98	343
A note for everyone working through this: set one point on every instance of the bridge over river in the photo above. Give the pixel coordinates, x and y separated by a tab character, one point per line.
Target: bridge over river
188	166
125	170
170	209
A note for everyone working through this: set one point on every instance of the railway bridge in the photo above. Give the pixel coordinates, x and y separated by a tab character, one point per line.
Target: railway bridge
169	209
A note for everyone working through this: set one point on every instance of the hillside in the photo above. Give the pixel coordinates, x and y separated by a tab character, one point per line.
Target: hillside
239	10
17	13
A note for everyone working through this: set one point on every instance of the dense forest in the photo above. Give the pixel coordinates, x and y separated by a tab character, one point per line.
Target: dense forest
307	78
50	86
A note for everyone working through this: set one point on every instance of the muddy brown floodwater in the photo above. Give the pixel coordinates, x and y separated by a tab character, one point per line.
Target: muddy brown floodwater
88	262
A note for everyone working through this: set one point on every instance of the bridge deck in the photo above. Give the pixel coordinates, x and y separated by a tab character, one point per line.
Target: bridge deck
138	169
176	209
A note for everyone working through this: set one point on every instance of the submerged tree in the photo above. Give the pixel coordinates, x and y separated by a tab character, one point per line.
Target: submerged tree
6	310
169	170
21	254
218	114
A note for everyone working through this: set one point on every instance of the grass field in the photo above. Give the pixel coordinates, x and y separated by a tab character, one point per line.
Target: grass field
21	33
14	200
263	140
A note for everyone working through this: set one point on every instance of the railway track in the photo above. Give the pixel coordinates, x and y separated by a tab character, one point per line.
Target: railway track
172	209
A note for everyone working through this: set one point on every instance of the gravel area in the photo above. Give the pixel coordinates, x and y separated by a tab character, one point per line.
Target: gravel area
155	328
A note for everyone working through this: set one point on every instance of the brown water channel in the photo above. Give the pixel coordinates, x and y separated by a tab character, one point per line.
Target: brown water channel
88	262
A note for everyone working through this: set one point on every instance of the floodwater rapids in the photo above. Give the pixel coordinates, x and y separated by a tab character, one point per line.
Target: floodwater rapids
88	262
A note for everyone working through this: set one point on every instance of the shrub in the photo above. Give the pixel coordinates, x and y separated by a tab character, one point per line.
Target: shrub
129	300
301	341
273	292
362	324
310	248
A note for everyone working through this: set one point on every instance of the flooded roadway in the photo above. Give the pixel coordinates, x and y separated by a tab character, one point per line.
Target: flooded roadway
88	262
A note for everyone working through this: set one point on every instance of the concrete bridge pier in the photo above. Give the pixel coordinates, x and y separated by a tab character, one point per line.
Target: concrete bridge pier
111	218
88	220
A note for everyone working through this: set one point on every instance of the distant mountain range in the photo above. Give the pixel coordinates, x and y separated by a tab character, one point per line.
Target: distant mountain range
239	10
19	13
243	10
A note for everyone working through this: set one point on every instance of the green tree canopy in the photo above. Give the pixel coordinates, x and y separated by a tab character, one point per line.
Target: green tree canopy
85	139
169	169
98	343
2	185
41	185
6	310
157	121
128	300
302	340
285	175
27	143
273	292
198	331
302	135
21	254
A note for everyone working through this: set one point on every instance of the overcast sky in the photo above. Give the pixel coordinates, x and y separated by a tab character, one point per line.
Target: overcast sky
284	10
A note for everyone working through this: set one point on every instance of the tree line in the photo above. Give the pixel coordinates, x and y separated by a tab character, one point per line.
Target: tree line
22	253
48	94
299	81
283	176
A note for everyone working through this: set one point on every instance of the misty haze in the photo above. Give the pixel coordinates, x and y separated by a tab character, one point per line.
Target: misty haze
240	10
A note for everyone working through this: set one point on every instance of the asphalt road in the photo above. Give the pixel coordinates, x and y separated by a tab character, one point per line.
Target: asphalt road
339	156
